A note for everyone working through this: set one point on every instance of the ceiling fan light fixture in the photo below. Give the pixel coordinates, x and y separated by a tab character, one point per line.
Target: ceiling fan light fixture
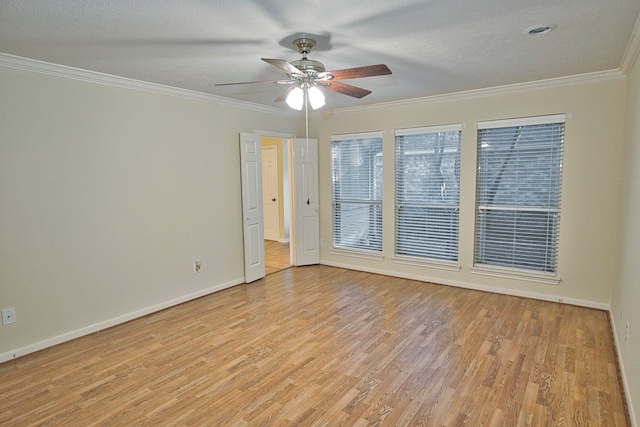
316	97
304	74
295	99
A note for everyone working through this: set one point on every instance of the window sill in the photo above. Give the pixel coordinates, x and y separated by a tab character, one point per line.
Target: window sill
431	263
508	273
375	256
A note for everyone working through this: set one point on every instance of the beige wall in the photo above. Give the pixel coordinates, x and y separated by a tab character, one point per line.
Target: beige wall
626	289
107	197
590	196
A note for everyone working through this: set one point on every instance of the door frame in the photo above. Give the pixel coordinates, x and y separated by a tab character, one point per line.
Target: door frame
289	137
295	242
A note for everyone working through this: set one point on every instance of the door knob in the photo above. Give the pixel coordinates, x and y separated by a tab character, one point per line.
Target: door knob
273	200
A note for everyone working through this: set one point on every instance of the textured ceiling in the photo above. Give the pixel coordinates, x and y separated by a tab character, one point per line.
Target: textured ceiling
431	46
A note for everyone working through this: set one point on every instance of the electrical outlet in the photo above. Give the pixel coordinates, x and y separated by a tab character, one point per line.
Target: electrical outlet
321	243
626	332
197	265
8	316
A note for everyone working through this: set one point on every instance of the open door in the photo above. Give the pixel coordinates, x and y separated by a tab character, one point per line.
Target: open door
306	228
252	211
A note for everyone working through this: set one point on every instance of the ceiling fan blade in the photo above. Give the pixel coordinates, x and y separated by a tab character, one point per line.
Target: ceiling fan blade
345	89
283	65
284	94
357	72
248	83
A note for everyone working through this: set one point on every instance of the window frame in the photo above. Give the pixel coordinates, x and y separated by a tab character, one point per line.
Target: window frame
374	203
518	271
406	251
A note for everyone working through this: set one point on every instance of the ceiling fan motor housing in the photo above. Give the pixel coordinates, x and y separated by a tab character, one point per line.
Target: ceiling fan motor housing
306	65
304	46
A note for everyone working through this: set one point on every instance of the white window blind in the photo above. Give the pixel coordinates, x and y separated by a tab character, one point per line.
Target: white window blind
356	166
428	192
518	193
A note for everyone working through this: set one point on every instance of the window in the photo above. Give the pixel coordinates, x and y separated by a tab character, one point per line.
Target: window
428	192
356	166
518	193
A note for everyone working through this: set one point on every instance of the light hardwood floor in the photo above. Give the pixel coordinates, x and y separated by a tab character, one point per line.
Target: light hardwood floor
324	346
276	256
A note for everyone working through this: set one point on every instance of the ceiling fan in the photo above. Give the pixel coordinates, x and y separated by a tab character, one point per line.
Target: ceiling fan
306	77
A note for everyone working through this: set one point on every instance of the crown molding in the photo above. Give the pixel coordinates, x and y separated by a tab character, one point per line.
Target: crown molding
632	50
63	71
595	77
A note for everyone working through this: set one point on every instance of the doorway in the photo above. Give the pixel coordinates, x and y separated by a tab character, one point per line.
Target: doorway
302	199
276	211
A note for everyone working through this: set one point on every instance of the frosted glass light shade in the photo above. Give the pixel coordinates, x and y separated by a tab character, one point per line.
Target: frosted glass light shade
295	99
316	97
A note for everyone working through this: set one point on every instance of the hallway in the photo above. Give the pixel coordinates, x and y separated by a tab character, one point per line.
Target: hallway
276	256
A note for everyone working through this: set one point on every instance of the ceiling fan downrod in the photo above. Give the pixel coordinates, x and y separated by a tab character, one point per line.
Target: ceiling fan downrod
304	46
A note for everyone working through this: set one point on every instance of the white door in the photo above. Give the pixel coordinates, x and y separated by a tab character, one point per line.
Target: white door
270	193
307	228
251	169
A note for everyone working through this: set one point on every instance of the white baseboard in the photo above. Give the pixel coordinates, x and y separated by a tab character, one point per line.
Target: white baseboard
113	322
625	384
474	286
